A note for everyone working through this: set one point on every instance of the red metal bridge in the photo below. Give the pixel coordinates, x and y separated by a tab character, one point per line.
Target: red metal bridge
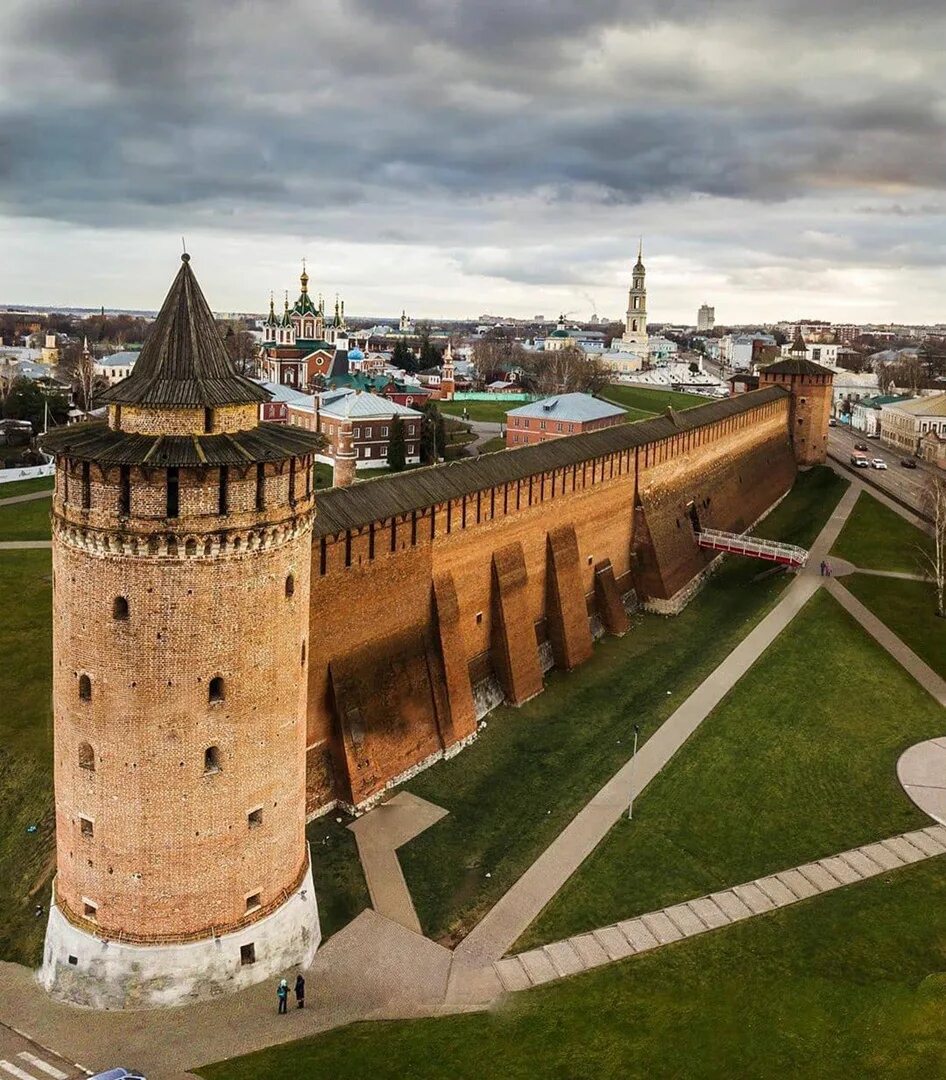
753	546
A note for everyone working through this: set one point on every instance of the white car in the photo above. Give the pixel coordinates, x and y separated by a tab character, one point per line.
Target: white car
878	463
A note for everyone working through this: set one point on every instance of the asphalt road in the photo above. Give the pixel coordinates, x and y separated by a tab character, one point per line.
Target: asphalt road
22	1059
908	484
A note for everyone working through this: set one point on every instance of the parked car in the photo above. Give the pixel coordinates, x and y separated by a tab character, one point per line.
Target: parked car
119	1074
860	446
908	463
878	463
832	422
873	435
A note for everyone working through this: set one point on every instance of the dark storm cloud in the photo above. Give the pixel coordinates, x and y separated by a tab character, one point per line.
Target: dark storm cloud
373	118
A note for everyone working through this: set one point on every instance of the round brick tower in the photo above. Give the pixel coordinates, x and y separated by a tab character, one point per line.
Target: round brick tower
812	390
181	553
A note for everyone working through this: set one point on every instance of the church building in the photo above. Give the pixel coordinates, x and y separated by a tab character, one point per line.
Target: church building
631	351
301	345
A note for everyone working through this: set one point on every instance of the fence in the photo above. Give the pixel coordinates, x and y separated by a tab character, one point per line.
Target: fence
27	472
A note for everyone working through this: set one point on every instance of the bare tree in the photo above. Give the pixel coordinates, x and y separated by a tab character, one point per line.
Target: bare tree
497	353
78	365
934	499
566	371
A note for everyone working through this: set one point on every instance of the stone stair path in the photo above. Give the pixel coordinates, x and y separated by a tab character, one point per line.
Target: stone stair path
582	952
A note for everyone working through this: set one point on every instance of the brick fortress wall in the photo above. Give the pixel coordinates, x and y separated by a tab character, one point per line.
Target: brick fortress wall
409	612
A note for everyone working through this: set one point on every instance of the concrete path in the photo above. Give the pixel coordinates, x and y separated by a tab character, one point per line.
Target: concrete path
373	969
508	919
484	431
26	498
922	771
719	909
379	834
898	574
25	545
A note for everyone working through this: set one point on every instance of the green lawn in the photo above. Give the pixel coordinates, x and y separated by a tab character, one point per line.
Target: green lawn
764	784
25	487
648	402
492	445
323	476
26	520
487	411
520	783
878	538
847	984
339	880
26	796
909	609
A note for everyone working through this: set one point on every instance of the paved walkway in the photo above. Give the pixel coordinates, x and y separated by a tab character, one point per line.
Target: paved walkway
26	498
25	545
717	910
509	918
379	834
900	575
922	772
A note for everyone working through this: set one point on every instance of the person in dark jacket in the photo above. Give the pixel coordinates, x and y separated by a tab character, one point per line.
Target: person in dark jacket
300	991
282	995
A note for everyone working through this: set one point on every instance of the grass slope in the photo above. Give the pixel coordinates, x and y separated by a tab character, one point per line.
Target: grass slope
764	784
339	880
877	538
909	609
25	487
848	984
517	787
646	401
26	796
26	520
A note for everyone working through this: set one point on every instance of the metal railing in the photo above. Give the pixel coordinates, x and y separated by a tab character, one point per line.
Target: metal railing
753	546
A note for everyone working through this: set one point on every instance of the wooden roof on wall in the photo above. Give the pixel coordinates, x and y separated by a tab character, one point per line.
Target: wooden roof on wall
387	496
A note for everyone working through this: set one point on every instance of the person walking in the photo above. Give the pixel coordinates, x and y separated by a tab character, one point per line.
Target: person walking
823	565
300	991
282	995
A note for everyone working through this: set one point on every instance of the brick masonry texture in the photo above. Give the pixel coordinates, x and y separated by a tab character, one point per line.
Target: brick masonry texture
405	612
190	861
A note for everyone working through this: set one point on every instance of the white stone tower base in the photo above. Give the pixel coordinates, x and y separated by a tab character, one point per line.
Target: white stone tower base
85	970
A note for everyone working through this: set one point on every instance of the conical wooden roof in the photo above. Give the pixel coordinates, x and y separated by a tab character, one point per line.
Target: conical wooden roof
184	363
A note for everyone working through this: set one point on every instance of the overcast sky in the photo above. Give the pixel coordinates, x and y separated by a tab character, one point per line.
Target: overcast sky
782	158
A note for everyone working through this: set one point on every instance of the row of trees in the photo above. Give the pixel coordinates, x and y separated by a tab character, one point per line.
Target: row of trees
559	371
433	438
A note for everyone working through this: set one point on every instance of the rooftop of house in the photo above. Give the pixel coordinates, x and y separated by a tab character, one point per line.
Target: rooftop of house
126	358
576	408
352	404
931	405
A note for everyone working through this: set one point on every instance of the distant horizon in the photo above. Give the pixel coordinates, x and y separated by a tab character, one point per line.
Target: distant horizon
7	308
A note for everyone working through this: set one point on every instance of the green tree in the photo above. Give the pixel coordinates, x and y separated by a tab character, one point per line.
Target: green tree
28	398
429	354
402	357
397	448
433	435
